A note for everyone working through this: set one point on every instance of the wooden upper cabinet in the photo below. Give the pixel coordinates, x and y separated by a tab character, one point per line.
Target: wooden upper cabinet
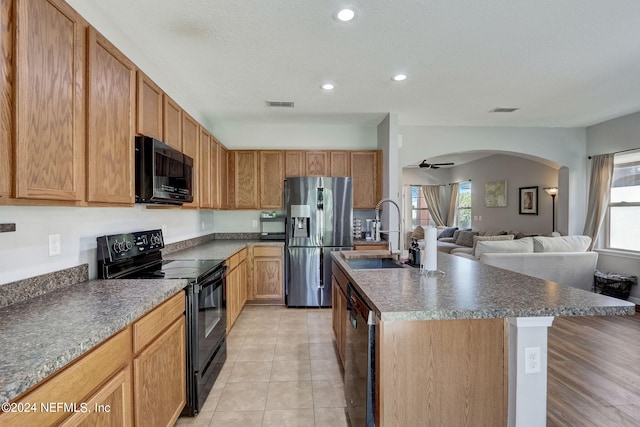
6	98
294	164
191	147
50	57
110	123
243	172
317	163
149	107
271	179
172	123
214	185
340	161
205	169
223	177
366	172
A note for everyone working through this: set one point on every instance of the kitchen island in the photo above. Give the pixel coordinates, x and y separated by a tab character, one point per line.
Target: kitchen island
450	348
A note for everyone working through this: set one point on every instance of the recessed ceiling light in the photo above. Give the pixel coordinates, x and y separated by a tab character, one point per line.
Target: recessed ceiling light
328	86
345	15
399	77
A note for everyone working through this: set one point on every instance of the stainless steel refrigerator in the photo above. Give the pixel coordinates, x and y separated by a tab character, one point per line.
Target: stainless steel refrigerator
319	219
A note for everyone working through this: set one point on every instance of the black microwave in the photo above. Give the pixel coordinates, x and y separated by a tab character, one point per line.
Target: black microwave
164	175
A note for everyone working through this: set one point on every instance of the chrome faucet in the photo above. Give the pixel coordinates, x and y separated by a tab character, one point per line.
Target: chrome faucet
377	223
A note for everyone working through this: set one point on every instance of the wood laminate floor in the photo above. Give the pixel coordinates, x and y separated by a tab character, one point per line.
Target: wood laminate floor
594	371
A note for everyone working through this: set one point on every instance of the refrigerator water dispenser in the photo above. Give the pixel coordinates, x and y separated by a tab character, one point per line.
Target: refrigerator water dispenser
300	216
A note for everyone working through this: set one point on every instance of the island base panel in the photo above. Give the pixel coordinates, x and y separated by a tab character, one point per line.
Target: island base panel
441	372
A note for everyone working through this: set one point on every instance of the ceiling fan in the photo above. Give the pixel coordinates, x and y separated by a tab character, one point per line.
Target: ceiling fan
425	165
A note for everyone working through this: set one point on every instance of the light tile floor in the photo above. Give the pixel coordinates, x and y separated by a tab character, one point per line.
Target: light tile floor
282	369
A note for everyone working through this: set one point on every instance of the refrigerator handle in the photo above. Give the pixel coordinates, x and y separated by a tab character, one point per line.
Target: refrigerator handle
321	286
320	214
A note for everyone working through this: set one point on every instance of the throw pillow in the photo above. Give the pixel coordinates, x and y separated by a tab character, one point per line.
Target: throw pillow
477	239
524	245
465	238
456	234
447	232
561	244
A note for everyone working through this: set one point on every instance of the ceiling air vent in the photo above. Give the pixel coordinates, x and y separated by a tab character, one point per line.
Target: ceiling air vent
285	104
503	110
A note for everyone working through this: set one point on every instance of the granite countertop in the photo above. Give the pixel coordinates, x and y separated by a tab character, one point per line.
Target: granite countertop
364	242
218	249
45	333
471	290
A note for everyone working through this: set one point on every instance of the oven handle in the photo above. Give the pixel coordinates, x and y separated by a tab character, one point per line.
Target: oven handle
216	280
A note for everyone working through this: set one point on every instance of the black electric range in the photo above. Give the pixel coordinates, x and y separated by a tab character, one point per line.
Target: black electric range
138	256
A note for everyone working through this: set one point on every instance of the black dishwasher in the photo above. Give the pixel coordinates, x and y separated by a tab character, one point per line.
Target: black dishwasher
359	371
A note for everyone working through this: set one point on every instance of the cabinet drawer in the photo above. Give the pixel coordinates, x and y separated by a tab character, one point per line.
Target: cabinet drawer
147	328
232	262
73	383
341	279
270	251
242	255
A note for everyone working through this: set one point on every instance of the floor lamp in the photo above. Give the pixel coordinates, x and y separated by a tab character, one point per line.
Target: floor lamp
553	192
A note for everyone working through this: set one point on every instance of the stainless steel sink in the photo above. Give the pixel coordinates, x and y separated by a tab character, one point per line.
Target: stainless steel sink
372	263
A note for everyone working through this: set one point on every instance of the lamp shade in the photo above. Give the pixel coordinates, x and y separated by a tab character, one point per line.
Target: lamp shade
552	191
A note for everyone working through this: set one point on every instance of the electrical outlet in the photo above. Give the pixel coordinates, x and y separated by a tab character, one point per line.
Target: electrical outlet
479	217
54	244
202	225
164	230
254	223
532	360
475	217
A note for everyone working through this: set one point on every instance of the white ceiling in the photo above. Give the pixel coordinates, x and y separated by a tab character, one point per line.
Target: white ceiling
565	63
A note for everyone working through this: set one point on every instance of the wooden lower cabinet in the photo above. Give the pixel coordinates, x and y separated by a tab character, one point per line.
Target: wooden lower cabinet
339	315
159	378
236	292
114	384
110	406
267	275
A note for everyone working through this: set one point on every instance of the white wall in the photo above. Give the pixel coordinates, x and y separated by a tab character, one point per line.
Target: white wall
387	137
611	136
518	172
24	253
560	146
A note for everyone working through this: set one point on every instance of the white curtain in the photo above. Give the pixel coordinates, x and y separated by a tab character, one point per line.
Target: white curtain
452	218
432	196
599	194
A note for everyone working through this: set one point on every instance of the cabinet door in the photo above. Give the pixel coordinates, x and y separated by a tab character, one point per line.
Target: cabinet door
316	163
110	123
159	378
214	185
245	177
49	127
191	147
172	123
268	273
271	179
6	97
110	406
149	107
242	286
340	161
205	169
294	162
367	179
223	177
232	297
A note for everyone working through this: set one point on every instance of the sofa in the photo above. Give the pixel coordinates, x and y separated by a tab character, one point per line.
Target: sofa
565	259
462	242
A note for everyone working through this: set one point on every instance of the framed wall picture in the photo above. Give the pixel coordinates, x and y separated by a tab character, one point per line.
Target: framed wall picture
529	200
495	194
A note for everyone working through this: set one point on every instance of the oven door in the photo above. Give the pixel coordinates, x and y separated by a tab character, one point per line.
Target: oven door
206	348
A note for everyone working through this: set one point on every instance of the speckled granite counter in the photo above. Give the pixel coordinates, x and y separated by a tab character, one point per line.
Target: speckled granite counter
471	290
218	249
364	242
45	333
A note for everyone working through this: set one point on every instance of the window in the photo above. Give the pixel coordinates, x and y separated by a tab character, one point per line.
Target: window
464	205
419	209
624	207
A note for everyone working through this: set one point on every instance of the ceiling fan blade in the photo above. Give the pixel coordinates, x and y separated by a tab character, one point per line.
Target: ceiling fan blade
443	164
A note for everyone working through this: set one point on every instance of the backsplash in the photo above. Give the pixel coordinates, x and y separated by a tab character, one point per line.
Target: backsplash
22	290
